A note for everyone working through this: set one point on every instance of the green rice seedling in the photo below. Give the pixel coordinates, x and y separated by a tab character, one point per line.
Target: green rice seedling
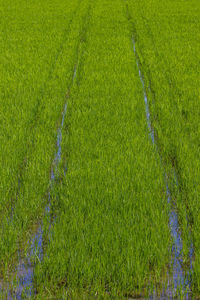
111	235
167	41
39	136
30	46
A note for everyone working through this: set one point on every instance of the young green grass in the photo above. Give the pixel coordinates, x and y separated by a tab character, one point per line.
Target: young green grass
111	236
37	131
167	37
30	47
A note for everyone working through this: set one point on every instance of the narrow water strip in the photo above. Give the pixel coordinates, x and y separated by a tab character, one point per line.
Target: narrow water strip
25	270
180	278
25	267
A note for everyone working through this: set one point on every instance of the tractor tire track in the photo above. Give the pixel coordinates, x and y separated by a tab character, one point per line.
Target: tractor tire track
31	125
179	281
25	269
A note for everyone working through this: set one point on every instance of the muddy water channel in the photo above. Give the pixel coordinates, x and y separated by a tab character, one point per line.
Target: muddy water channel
178	277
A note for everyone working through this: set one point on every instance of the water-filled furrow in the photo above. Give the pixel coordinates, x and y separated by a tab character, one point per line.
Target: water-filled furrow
179	281
37	110
22	284
25	268
25	265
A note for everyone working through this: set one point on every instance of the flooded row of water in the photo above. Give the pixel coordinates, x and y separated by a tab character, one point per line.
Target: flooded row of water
21	285
180	278
26	266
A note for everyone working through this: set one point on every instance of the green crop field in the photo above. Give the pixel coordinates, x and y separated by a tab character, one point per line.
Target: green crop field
100	149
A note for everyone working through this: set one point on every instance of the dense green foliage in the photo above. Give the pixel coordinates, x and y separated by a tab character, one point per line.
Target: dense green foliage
110	236
112	232
167	34
34	94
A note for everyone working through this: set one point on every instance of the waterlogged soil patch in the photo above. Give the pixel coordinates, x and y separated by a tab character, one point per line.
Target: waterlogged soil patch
19	283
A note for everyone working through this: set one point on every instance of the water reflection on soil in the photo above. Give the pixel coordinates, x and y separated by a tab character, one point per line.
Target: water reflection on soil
179	281
25	267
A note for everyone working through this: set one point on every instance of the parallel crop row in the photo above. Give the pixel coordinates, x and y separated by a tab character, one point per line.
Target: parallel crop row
167	36
109	233
33	112
111	236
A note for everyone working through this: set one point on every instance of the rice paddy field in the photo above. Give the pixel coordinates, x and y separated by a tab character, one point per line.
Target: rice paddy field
100	149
